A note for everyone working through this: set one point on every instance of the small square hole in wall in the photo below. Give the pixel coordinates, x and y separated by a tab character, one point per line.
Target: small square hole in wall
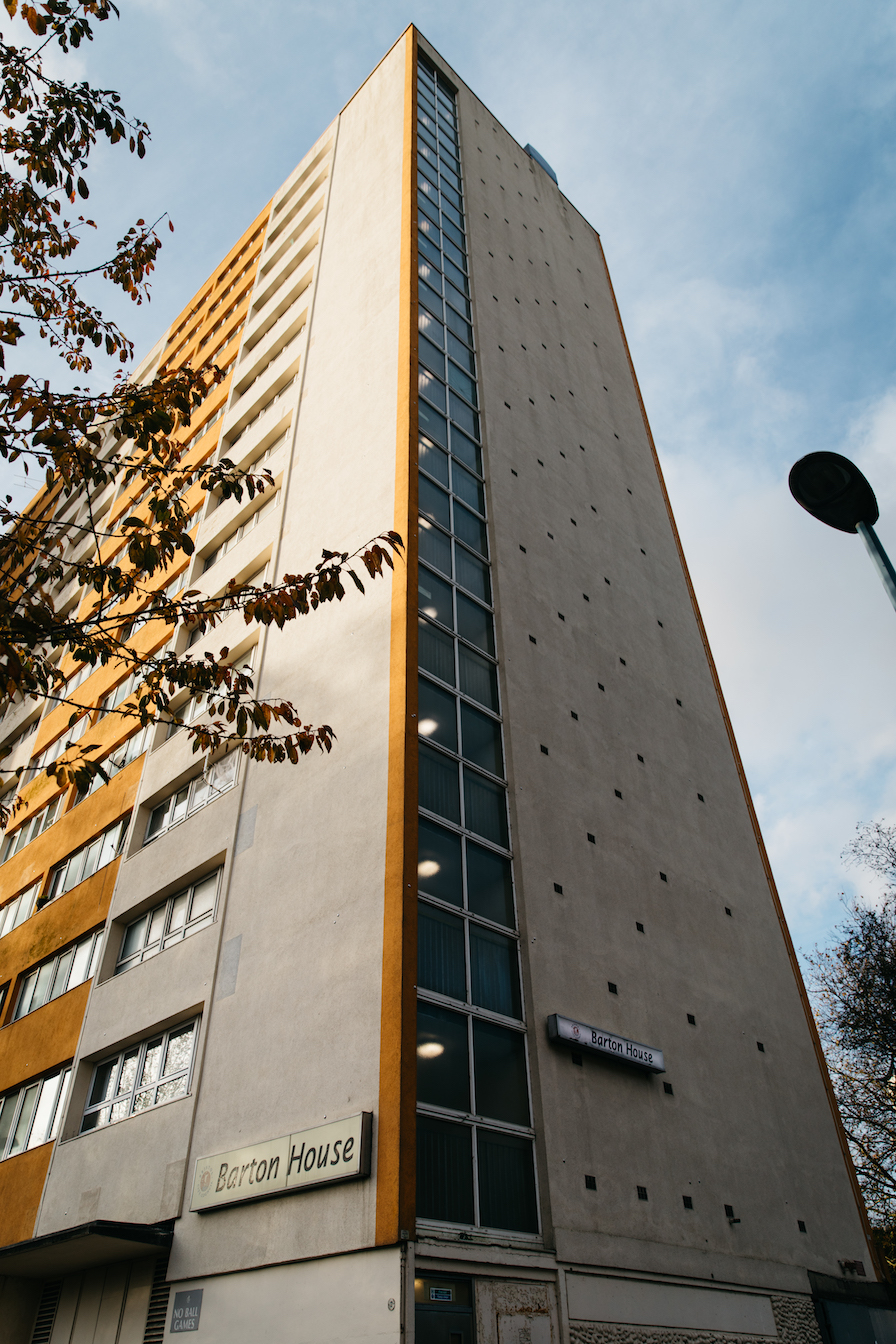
729	1211
639	926
573	714
558	888
593	509
678	702
663	877
532	639
539	461
607	582
560	614
700	796
760	1047
642	1191
617	792
643	552
667	1088
800	1224
600	686
591	839
586	597
544	751
576	1057
640	758
523	549
611	987
728	910
551	535
590	1183
687	1201
659	623
513	473
692	1019
623	662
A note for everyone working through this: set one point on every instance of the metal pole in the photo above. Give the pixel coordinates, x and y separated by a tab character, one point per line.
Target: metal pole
882	561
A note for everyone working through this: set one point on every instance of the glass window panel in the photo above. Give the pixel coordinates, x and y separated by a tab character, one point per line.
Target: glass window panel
441	963
433	424
448	165
443	1066
459	326
20	1134
469	452
176	1087
429	298
26	995
435	651
475	624
42	985
462	383
60	979
112	841
180	1045
178	912
434	501
439	790
472	573
61	1096
179	808
81	963
429	153
462	415
156	925
481	738
431	355
429	250
455	275
427	135
103	1082
433	460
7	1111
455	253
457	350
428	207
452	231
435	547
431	329
468	487
499	1067
128	1071
204	894
142	1101
429	274
444	1171
437	710
150	1071
74	869
485	809
446	129
427	171
91	858
506	1182
434	596
427	98
134	938
478	677
462	304
494	972
431	388
158	819
439	870
471	530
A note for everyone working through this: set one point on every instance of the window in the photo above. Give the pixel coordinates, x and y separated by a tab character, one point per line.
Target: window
133	746
170	922
204	789
32	828
31	1115
142	1076
16	911
86	861
119	694
59	974
475	1161
243	530
192	709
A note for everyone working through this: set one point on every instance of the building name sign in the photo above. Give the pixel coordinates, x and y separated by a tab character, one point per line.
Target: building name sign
338	1151
605	1043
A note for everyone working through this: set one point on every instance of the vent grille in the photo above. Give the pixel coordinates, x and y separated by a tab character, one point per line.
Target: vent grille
158	1304
46	1312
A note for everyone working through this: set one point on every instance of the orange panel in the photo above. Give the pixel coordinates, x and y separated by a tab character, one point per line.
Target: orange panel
21	1185
37	1043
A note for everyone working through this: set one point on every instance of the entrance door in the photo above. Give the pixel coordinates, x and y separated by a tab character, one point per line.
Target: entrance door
443	1311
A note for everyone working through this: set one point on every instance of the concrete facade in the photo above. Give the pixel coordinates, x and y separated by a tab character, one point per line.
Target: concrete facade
701	1204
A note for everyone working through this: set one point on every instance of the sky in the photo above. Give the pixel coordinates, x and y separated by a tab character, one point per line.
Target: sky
737	158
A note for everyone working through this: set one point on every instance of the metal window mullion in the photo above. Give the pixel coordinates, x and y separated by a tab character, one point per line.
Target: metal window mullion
476	1212
15	1120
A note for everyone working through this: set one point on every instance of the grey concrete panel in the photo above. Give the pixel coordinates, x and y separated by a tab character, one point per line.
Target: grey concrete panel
228	968
626	1301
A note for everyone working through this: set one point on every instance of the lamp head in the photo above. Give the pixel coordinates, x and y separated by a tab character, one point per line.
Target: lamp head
833	490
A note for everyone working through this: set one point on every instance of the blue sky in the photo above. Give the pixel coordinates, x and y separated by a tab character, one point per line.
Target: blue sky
738	160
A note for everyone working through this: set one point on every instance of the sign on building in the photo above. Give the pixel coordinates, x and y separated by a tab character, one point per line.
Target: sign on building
337	1151
605	1043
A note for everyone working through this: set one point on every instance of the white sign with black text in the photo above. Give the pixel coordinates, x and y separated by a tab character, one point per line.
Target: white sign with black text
605	1043
337	1151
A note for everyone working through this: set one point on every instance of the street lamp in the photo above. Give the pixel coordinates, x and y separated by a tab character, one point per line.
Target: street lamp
834	491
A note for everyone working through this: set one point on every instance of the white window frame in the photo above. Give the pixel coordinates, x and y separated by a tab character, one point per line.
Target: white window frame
31	829
127	1102
200	791
34	1114
16	911
100	851
169	922
54	977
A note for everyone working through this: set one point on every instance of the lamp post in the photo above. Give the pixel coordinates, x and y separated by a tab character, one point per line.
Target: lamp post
834	491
